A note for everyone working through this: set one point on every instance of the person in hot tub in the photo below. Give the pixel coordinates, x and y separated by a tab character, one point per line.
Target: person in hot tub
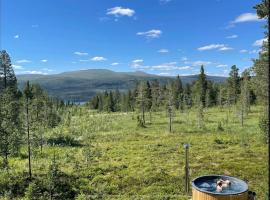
219	186
222	184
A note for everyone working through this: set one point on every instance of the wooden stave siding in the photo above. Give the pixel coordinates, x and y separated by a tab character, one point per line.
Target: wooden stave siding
197	195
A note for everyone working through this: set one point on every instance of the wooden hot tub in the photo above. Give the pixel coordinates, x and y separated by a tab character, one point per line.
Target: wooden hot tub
204	188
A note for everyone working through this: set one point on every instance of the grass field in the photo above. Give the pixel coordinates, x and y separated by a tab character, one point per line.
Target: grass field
114	159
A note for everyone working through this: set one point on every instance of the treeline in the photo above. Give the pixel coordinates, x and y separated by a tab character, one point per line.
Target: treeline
24	115
212	93
153	96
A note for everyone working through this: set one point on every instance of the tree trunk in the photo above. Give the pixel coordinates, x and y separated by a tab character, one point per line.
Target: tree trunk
28	139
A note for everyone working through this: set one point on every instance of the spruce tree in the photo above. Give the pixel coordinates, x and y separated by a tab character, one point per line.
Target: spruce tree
170	106
28	95
177	92
7	76
233	85
202	86
10	129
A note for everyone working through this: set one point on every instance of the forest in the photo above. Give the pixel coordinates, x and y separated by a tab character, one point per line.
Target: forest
129	145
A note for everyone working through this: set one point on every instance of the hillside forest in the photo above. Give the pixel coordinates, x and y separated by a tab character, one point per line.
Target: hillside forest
129	145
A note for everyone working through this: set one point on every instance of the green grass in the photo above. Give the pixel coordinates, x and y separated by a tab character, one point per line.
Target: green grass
148	163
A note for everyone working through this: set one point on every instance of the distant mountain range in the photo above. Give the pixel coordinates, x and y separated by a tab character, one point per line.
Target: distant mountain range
79	86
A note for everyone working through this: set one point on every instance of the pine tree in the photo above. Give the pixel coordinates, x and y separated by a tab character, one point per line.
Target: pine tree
156	95
148	95
233	85
10	129
202	86
177	92
117	100
142	101
169	105
10	126
28	95
7	76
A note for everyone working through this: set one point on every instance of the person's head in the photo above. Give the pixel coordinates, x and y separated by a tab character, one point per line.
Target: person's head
219	183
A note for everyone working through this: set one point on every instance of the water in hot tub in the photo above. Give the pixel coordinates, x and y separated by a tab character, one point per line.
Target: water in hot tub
211	186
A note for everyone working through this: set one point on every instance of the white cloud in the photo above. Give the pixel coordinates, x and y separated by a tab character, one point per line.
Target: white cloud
165	74
198	63
259	42
163	51
211	46
232	36
221	65
35	72
170	66
18	67
254	51
246	17
138	61
225	48
80	53
164	1
221	47
115	63
119	11
243	51
48	70
84	60
184	59
154	33
98	58
23	61
34	26
184	67
16	36
44	60
138	64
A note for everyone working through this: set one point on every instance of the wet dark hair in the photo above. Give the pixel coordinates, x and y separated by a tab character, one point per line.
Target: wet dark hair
219	184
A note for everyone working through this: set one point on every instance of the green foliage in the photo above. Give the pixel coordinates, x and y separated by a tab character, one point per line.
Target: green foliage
264	127
233	86
7	76
63	140
219	127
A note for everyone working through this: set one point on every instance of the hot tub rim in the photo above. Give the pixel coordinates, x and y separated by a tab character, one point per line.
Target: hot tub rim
214	193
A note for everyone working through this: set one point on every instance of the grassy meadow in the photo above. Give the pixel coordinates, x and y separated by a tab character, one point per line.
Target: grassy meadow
111	158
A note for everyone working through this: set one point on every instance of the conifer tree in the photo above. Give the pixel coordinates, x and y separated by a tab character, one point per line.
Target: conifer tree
177	92
202	83
233	85
169	105
7	76
28	95
10	126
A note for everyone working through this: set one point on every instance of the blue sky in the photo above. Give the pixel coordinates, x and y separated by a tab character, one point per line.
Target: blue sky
165	37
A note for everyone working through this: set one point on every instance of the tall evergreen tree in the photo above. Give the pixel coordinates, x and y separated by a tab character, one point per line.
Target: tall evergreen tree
177	92
233	85
156	95
7	76
142	101
169	104
10	128
261	70
28	95
202	86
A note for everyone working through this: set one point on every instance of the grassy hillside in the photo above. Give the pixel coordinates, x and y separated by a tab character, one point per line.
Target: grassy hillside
111	158
81	85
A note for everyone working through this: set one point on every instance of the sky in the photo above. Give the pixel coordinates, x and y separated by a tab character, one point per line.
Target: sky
164	37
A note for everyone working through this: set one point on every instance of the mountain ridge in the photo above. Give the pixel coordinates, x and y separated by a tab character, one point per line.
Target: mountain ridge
80	85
